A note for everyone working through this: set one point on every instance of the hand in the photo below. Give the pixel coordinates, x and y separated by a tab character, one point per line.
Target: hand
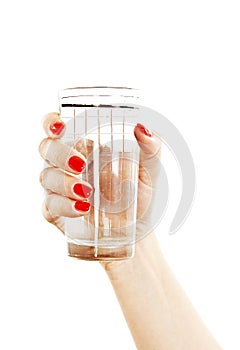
68	196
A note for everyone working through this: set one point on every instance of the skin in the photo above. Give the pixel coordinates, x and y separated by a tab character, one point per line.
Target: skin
156	309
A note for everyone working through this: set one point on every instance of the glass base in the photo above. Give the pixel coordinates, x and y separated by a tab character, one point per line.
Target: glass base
99	253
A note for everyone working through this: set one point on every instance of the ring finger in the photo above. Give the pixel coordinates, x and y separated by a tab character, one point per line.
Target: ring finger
57	181
58	205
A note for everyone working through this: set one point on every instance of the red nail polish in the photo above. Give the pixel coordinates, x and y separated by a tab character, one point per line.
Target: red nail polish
144	130
82	190
76	163
82	206
57	127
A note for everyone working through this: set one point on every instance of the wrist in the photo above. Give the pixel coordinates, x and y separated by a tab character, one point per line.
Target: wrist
147	251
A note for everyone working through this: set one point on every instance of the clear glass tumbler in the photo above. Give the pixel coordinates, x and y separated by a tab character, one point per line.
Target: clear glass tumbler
100	124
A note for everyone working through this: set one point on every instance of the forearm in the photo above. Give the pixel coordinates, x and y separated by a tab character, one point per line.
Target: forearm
156	309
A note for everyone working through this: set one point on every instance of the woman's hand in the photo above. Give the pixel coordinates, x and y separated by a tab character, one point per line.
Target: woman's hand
68	196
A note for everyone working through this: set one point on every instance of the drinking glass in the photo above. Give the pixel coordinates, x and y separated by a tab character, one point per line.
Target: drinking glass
100	124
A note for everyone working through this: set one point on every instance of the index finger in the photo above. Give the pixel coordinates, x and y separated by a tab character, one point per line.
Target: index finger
53	126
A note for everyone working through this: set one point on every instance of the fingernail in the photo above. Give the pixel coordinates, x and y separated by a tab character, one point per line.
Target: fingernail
57	127
82	190
144	130
76	163
82	206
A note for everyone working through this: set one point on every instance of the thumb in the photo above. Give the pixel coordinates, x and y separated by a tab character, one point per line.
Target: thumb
150	152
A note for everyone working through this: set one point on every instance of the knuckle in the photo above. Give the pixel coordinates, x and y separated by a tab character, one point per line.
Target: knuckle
44	176
46	213
50	116
49	208
43	147
41	177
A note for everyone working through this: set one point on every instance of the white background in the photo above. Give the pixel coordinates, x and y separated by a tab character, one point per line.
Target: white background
184	56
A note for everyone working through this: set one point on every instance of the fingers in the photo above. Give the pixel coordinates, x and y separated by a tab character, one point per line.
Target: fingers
66	194
62	156
53	125
56	206
55	180
150	152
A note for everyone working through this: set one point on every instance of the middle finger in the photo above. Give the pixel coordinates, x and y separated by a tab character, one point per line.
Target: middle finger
62	156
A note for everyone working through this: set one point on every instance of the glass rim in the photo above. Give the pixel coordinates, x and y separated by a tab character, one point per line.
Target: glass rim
100	87
98	96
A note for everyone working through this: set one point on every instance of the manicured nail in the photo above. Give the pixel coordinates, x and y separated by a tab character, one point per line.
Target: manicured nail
76	163
144	130
82	206
57	127
82	190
